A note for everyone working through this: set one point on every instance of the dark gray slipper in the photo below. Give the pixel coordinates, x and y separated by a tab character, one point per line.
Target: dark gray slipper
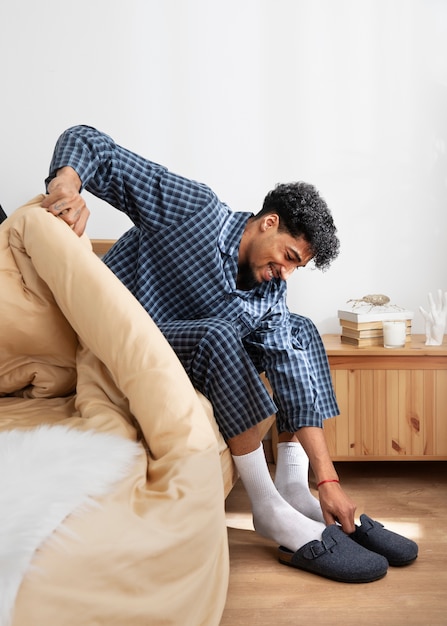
336	557
398	550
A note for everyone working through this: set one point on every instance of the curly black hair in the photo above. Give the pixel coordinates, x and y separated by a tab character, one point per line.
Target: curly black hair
303	212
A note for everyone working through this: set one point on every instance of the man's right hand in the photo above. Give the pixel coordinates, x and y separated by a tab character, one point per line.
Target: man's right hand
65	201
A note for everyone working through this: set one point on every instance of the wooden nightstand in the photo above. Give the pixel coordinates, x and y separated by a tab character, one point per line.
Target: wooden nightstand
393	402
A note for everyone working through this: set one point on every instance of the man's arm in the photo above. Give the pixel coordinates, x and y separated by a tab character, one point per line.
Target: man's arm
81	159
153	198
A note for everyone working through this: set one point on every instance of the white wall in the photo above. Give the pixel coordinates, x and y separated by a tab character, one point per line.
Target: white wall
350	95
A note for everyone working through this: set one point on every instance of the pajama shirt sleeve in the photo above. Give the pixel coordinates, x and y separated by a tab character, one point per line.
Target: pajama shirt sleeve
151	196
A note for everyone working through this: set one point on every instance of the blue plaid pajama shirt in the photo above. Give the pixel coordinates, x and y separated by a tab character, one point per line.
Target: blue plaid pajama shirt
180	261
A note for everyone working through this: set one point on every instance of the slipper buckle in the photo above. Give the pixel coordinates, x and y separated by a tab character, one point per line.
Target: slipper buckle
323	546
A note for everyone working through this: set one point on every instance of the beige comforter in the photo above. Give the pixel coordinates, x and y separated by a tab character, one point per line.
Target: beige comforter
76	349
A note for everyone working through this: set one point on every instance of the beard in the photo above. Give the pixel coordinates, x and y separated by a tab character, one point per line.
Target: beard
246	279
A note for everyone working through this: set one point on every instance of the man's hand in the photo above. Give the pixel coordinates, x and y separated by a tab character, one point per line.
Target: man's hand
337	506
65	201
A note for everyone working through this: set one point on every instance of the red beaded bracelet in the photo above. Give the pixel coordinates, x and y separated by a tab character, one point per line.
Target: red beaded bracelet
330	480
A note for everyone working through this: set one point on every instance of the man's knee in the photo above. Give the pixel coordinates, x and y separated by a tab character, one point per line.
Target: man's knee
221	347
221	333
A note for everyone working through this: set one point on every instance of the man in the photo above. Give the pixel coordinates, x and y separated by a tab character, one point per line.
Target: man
214	281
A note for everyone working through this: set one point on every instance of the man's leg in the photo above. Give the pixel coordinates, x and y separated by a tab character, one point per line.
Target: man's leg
219	366
292	478
273	517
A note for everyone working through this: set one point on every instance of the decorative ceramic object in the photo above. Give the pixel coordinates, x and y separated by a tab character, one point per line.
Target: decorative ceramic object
435	318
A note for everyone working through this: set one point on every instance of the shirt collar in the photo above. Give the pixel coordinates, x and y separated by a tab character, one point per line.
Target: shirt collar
231	233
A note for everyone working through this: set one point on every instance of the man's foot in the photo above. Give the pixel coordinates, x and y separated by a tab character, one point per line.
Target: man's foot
275	519
398	550
336	557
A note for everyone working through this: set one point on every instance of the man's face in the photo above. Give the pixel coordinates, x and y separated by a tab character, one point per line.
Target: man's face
270	253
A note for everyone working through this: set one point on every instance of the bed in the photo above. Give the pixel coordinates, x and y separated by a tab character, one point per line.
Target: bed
112	471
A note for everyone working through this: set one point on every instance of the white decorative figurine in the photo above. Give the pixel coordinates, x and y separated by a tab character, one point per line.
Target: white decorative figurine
435	319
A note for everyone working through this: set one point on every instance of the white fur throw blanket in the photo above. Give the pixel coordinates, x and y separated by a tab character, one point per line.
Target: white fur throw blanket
46	474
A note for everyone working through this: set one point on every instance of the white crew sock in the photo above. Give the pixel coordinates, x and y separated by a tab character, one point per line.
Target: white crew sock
273	517
292	480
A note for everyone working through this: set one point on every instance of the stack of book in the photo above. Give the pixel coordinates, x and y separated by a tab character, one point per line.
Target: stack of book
361	325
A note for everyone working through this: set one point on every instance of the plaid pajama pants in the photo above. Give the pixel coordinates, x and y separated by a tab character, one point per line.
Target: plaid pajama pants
226	367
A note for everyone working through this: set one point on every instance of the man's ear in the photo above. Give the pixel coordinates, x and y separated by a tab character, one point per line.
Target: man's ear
271	220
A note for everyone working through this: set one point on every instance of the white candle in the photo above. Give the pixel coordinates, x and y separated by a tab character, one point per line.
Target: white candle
394	334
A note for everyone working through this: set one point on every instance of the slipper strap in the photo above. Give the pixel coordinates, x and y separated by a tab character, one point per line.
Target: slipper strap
317	548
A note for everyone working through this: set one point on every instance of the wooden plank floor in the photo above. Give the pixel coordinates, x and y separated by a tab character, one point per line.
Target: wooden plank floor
408	497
